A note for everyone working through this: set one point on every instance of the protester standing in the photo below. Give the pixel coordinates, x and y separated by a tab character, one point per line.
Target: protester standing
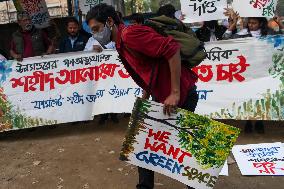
29	41
73	41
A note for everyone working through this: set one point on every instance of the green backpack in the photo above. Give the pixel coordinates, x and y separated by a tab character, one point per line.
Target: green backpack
192	49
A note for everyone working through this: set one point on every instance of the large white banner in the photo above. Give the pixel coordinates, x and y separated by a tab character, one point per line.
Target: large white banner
240	79
203	10
255	8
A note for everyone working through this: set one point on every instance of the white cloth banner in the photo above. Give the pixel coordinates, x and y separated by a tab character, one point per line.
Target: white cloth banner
203	10
255	8
240	79
86	5
65	88
260	159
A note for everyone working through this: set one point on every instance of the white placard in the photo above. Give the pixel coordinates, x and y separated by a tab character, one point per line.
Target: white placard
203	10
255	8
260	159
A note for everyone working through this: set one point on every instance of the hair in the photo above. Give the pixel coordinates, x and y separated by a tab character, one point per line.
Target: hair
167	10
211	23
72	20
23	14
119	14
137	17
102	12
263	25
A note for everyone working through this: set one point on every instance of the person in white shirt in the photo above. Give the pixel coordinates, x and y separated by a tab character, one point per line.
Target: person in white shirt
94	45
100	40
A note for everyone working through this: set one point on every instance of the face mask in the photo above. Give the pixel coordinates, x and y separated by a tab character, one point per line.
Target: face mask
28	27
103	37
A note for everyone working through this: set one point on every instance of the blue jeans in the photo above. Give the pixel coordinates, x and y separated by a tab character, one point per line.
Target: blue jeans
146	177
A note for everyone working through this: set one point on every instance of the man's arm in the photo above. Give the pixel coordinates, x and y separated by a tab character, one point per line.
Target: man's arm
16	56
175	69
50	49
13	54
48	43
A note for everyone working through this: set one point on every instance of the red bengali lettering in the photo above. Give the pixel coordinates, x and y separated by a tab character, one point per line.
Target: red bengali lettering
38	80
267	167
233	71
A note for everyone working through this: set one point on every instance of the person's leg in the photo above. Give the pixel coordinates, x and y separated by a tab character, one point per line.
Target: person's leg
103	119
114	118
191	101
248	127
146	179
259	127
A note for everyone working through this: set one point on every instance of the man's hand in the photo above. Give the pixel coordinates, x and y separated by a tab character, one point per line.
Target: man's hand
18	57
171	103
145	95
278	20
97	48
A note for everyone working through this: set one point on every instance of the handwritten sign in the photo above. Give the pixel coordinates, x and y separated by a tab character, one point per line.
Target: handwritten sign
203	10
260	159
37	10
255	8
187	147
86	5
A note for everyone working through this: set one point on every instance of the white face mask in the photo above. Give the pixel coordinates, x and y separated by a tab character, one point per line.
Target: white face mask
103	37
